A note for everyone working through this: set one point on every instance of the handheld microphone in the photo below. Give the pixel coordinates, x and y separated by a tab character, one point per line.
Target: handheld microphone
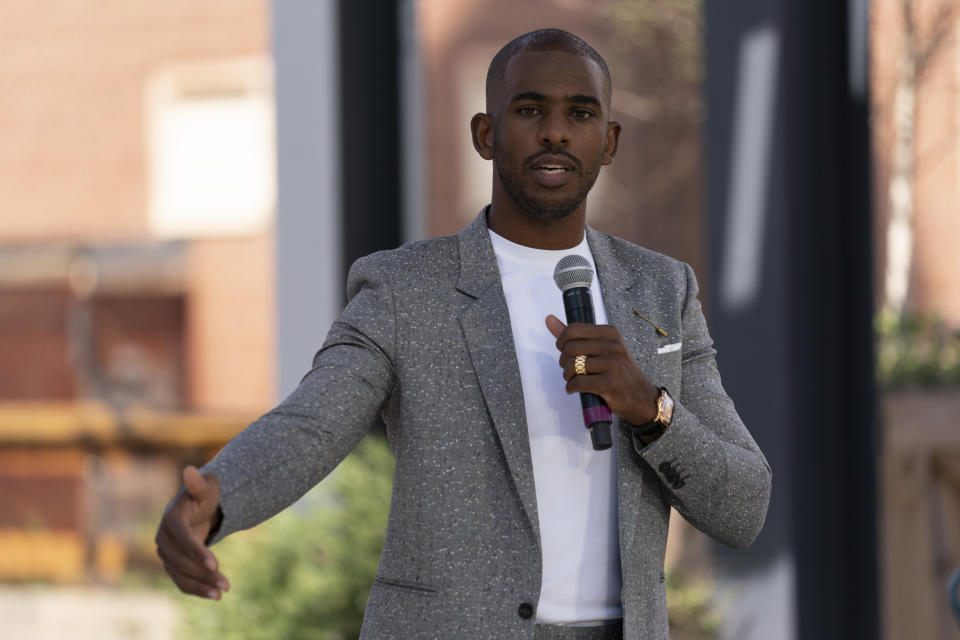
574	275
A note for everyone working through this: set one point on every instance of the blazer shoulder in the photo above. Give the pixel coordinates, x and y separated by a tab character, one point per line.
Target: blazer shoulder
639	259
414	264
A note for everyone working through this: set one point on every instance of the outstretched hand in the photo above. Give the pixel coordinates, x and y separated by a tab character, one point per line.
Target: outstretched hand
187	521
612	373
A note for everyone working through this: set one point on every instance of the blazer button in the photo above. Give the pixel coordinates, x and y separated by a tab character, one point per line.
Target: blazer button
525	610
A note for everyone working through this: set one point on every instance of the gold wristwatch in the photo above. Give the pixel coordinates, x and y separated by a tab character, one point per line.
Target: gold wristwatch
660	423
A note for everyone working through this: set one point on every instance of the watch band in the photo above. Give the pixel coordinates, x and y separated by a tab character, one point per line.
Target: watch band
649	429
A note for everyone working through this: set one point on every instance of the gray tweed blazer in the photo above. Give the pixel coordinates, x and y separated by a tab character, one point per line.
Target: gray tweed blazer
425	341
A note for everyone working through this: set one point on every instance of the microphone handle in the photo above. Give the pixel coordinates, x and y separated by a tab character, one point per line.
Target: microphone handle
596	414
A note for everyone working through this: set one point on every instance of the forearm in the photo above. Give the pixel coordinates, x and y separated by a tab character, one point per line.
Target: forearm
290	449
719	486
287	451
712	471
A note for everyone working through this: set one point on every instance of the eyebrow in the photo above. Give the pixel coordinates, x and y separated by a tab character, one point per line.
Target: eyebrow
539	97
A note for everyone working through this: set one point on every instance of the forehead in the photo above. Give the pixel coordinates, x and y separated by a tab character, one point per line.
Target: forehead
552	73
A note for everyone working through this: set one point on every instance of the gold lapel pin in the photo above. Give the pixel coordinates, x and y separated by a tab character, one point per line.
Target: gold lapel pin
659	330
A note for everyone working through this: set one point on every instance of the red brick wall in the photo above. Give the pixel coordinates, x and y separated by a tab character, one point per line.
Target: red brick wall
33	340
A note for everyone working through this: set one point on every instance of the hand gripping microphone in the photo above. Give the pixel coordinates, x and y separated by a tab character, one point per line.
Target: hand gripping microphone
573	275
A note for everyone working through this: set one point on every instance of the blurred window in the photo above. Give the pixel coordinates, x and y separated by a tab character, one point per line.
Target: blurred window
211	149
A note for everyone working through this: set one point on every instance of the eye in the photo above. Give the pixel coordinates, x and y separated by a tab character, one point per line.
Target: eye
582	114
528	111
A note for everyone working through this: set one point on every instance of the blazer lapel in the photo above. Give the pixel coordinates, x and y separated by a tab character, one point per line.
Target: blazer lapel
486	328
624	292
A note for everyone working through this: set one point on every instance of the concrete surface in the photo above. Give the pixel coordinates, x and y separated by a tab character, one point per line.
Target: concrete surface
85	613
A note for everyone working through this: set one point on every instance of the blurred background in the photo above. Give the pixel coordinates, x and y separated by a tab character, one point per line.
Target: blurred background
183	186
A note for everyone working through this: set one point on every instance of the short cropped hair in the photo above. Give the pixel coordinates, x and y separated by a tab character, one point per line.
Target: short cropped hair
543	40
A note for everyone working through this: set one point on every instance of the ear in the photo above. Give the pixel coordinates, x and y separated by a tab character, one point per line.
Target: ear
613	138
481	126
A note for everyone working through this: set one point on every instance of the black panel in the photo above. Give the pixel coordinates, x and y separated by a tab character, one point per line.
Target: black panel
370	116
798	359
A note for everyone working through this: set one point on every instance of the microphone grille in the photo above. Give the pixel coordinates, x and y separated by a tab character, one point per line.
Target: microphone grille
573	271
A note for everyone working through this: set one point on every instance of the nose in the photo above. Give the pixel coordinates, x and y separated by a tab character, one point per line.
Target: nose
553	129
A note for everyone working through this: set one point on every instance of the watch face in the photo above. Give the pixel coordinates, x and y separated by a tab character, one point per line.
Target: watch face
666	408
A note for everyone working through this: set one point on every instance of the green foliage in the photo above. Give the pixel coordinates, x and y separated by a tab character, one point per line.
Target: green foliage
691	607
916	351
305	573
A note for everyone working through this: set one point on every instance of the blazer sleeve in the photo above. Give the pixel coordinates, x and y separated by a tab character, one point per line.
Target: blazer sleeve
710	468
288	450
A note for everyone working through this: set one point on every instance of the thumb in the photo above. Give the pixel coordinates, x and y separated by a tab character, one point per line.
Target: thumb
201	487
555	326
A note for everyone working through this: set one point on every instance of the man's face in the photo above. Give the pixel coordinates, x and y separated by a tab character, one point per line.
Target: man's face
550	132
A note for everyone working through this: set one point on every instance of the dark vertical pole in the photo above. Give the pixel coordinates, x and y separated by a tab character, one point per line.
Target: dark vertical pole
793	327
835	540
370	120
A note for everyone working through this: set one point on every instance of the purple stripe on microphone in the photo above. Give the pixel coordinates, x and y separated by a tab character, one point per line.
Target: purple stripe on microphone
600	413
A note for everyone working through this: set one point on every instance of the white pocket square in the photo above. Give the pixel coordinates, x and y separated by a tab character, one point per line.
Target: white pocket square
667	348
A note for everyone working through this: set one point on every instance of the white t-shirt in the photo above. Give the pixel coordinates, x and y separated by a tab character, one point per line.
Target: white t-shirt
576	486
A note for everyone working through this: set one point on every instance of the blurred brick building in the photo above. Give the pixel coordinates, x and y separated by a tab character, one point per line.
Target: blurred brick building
90	92
136	283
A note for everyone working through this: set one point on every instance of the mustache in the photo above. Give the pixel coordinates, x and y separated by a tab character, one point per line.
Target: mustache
553	151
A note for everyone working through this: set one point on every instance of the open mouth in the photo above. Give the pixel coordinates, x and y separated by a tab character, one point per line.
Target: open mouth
553	163
551	169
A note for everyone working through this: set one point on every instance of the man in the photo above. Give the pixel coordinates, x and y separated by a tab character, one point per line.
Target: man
504	522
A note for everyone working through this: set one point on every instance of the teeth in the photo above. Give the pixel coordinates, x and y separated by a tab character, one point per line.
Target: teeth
552	169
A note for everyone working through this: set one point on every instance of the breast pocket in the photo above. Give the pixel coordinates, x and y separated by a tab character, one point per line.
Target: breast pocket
669	348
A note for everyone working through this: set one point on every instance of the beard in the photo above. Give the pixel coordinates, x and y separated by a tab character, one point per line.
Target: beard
535	206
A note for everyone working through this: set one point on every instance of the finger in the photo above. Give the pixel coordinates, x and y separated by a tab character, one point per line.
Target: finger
595	365
199	486
598	384
201	565
203	492
589	348
192	586
176	531
554	325
209	581
181	567
584	331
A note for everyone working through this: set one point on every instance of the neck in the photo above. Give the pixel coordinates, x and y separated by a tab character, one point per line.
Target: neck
519	227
